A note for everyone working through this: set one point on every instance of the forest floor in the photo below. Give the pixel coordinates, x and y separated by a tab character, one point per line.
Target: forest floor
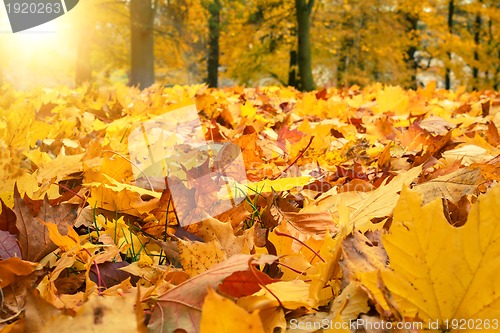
187	209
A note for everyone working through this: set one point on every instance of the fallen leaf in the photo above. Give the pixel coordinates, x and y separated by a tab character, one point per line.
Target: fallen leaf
12	268
105	314
244	283
439	272
452	186
197	257
436	125
8	219
109	274
8	245
180	307
218	312
352	302
292	295
33	236
306	225
380	202
223	233
468	154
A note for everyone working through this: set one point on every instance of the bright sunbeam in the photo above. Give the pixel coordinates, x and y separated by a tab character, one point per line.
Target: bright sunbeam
34	57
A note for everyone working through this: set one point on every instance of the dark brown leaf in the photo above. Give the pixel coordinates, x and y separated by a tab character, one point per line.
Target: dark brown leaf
109	274
8	219
33	236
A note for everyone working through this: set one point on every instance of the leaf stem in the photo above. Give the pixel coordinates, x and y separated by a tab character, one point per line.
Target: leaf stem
296	159
278	233
252	268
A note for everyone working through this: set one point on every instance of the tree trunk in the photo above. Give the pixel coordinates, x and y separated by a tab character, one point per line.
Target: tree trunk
411	63
451	10
142	43
214	8
303	10
477	43
292	70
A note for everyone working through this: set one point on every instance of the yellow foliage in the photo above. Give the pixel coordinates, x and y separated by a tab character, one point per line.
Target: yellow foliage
439	272
219	314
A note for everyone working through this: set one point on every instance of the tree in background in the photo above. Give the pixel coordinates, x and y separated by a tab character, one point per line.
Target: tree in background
256	41
262	42
483	26
142	43
450	21
351	38
398	42
303	9
181	41
214	26
409	13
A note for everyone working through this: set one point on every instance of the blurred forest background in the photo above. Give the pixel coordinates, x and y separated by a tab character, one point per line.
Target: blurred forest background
302	43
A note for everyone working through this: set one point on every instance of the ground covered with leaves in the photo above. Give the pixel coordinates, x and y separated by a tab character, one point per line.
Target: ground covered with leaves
363	208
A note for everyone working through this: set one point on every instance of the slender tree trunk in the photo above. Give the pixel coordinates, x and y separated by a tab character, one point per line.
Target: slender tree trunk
142	43
292	69
477	43
451	10
303	10
214	8
411	63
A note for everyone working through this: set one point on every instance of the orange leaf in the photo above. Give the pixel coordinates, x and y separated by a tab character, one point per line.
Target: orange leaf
11	268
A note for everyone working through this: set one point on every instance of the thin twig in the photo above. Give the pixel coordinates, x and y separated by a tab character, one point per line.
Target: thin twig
253	269
70	190
301	242
296	159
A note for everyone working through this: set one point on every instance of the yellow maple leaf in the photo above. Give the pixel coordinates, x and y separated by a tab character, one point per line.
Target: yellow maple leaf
322	272
67	242
197	257
442	274
363	206
292	295
221	315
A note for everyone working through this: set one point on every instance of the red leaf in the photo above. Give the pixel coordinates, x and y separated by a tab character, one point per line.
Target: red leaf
244	283
8	220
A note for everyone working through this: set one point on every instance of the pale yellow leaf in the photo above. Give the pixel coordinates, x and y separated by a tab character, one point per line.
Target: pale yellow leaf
439	272
221	315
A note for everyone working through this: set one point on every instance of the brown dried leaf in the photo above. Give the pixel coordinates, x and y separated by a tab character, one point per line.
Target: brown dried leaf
33	236
452	186
8	245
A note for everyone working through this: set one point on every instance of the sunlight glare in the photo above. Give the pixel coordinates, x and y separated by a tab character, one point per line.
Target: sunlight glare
34	57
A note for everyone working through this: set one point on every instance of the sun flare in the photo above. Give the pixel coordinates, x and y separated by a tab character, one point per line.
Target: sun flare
35	56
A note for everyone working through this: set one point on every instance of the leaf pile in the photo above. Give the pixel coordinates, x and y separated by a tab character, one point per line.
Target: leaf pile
374	203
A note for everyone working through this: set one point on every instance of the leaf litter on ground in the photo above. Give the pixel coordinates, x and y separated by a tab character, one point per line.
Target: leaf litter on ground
374	204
